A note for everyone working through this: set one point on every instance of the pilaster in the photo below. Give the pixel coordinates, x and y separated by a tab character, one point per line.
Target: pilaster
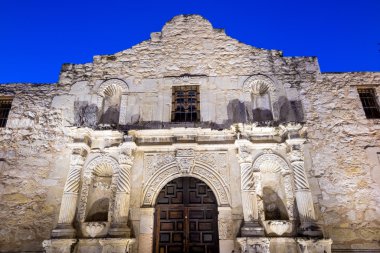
251	226
119	225
64	228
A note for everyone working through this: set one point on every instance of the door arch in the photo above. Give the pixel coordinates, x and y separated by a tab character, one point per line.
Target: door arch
186	218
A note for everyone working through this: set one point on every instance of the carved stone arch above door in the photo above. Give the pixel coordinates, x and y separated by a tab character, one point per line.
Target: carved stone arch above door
172	171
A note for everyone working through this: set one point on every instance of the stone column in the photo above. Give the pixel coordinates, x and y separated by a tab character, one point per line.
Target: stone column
304	198
251	226
64	227
120	218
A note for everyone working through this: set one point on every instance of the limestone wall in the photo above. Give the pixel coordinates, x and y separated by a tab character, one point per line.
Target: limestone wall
344	148
341	158
33	167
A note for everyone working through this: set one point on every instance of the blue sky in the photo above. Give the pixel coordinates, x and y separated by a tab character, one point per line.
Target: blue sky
37	37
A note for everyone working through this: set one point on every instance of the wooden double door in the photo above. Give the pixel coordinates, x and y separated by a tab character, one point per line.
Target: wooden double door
186	218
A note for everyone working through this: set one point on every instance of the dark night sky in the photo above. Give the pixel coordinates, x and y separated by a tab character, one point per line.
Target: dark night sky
37	37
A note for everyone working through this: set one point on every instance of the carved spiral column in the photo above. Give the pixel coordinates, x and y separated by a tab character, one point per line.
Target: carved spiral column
250	227
70	194
122	198
249	199
304	198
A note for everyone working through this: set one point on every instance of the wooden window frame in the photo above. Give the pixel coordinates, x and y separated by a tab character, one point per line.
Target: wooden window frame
369	102
5	108
185	103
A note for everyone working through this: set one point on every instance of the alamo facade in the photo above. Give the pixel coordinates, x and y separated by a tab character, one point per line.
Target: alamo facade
191	142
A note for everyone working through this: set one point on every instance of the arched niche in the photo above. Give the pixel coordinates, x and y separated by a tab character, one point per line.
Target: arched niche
263	95
98	189
114	95
274	185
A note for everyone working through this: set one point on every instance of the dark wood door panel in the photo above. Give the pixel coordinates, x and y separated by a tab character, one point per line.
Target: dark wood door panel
186	218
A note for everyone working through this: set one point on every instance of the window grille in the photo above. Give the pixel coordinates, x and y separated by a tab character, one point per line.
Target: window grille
185	104
369	102
5	107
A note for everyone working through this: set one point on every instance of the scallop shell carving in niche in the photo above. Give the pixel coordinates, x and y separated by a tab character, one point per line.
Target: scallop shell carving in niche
259	87
112	90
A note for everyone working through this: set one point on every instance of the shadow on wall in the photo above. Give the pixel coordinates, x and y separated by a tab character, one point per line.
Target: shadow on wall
245	112
111	116
274	207
85	114
284	111
98	210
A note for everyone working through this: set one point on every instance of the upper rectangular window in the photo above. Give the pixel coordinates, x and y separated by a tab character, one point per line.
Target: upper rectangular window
5	107
369	102
185	103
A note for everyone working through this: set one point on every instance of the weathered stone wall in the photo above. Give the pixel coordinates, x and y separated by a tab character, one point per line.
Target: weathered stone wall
33	167
342	141
341	158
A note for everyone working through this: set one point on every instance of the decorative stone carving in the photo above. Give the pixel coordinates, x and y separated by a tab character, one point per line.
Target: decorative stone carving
122	199
155	161
250	227
279	227
270	162
254	244
111	86
259	84
314	246
215	182
300	178
101	165
94	228
200	171
218	160
185	160
303	195
70	194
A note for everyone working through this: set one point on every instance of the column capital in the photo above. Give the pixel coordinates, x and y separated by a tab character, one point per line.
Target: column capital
244	151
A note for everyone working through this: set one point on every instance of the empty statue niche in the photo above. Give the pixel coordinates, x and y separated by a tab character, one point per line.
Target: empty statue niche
274	197
261	102
111	105
98	201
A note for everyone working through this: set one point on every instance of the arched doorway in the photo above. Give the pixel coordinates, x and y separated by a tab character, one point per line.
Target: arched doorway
186	218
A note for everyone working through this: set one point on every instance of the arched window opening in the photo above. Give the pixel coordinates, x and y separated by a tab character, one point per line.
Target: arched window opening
111	105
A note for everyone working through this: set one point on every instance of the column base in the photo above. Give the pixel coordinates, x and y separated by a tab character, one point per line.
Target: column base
252	229
120	231
310	229
64	231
